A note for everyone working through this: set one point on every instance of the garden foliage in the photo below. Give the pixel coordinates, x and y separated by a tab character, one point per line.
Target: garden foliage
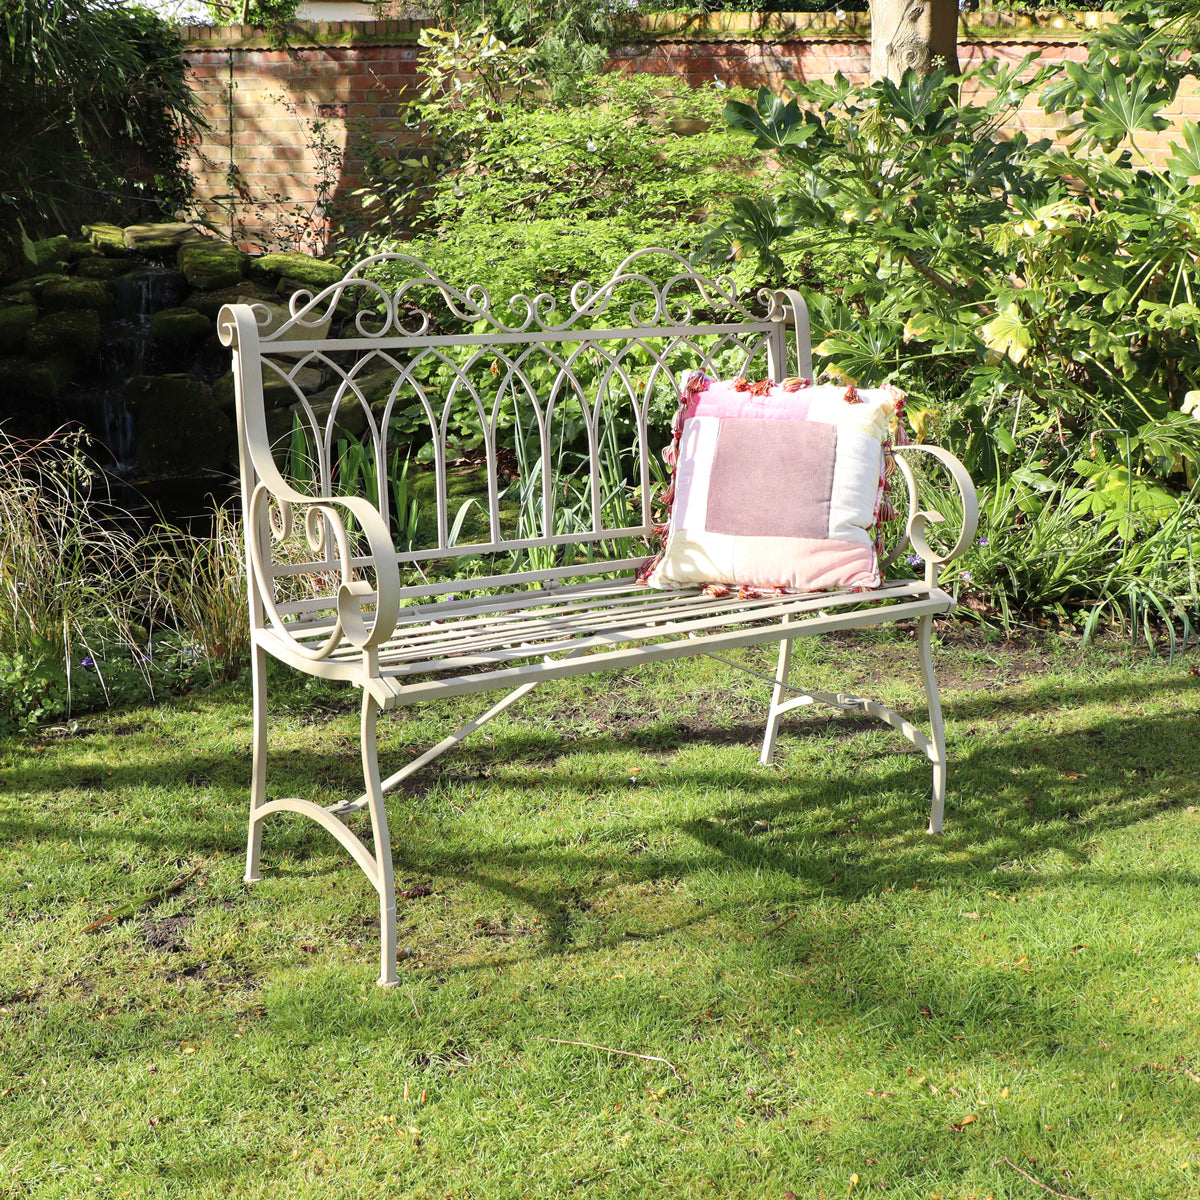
565	40
1039	302
96	113
491	178
527	194
92	612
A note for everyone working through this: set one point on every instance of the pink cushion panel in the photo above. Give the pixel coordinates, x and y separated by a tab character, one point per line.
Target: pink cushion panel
775	490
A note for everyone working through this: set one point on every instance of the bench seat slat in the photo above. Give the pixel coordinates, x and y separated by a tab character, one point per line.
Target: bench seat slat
614	652
674	613
545	624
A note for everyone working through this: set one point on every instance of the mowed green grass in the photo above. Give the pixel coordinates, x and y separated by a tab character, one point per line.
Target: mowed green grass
784	985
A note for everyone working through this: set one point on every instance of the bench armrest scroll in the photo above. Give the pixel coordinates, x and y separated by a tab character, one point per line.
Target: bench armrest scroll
919	519
271	518
273	504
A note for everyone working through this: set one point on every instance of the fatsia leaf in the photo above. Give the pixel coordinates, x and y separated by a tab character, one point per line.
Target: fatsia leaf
1118	106
772	123
919	103
1007	334
1185	159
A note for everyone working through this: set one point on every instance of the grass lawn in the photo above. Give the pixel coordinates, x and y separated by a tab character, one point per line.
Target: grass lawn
701	978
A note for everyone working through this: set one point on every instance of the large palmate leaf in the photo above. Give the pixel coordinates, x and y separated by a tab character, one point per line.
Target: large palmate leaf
1007	334
758	227
1112	105
772	123
1185	159
919	103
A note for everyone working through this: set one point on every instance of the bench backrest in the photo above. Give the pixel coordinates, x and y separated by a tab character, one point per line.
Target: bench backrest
395	385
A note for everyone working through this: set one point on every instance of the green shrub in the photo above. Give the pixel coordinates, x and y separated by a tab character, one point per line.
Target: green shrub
564	40
91	614
1036	301
530	194
198	581
96	112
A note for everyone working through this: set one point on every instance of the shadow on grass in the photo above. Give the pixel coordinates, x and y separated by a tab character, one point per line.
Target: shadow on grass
1013	799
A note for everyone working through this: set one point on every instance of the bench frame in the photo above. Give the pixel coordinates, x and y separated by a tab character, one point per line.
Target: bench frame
351	605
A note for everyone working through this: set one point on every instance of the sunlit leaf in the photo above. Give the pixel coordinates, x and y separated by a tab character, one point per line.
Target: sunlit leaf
1185	159
1006	334
773	123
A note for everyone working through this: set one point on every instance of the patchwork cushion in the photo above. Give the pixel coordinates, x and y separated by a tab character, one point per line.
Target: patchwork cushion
776	486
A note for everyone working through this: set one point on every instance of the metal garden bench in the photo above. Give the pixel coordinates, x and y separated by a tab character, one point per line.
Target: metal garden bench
392	379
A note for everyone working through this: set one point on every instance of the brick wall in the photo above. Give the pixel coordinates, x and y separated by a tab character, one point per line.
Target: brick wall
287	126
275	115
773	49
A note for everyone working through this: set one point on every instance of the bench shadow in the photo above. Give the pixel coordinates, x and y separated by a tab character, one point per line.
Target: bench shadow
1026	815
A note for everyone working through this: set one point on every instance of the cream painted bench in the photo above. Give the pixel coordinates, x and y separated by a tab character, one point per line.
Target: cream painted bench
535	581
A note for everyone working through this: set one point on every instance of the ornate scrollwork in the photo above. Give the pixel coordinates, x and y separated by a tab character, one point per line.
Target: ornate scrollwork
920	519
279	518
331	551
398	311
320	520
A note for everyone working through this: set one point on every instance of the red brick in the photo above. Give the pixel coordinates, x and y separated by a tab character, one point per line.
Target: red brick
370	78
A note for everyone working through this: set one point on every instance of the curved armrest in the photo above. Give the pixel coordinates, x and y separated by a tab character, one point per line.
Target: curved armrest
919	519
271	507
274	510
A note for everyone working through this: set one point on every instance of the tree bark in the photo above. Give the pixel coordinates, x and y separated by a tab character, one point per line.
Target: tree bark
921	34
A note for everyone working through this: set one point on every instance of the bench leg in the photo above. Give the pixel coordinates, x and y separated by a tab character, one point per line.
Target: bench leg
376	865
937	749
383	878
785	697
778	693
258	771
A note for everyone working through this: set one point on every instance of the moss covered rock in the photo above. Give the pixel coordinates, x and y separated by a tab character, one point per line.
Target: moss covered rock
302	269
160	239
28	290
99	267
246	292
23	380
178	429
51	251
277	393
315	327
209	266
351	419
15	322
180	327
76	295
109	238
223	394
65	334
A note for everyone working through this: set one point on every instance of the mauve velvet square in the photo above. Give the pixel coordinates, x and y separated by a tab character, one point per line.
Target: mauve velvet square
772	478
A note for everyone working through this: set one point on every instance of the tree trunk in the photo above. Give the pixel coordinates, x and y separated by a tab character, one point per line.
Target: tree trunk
921	34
